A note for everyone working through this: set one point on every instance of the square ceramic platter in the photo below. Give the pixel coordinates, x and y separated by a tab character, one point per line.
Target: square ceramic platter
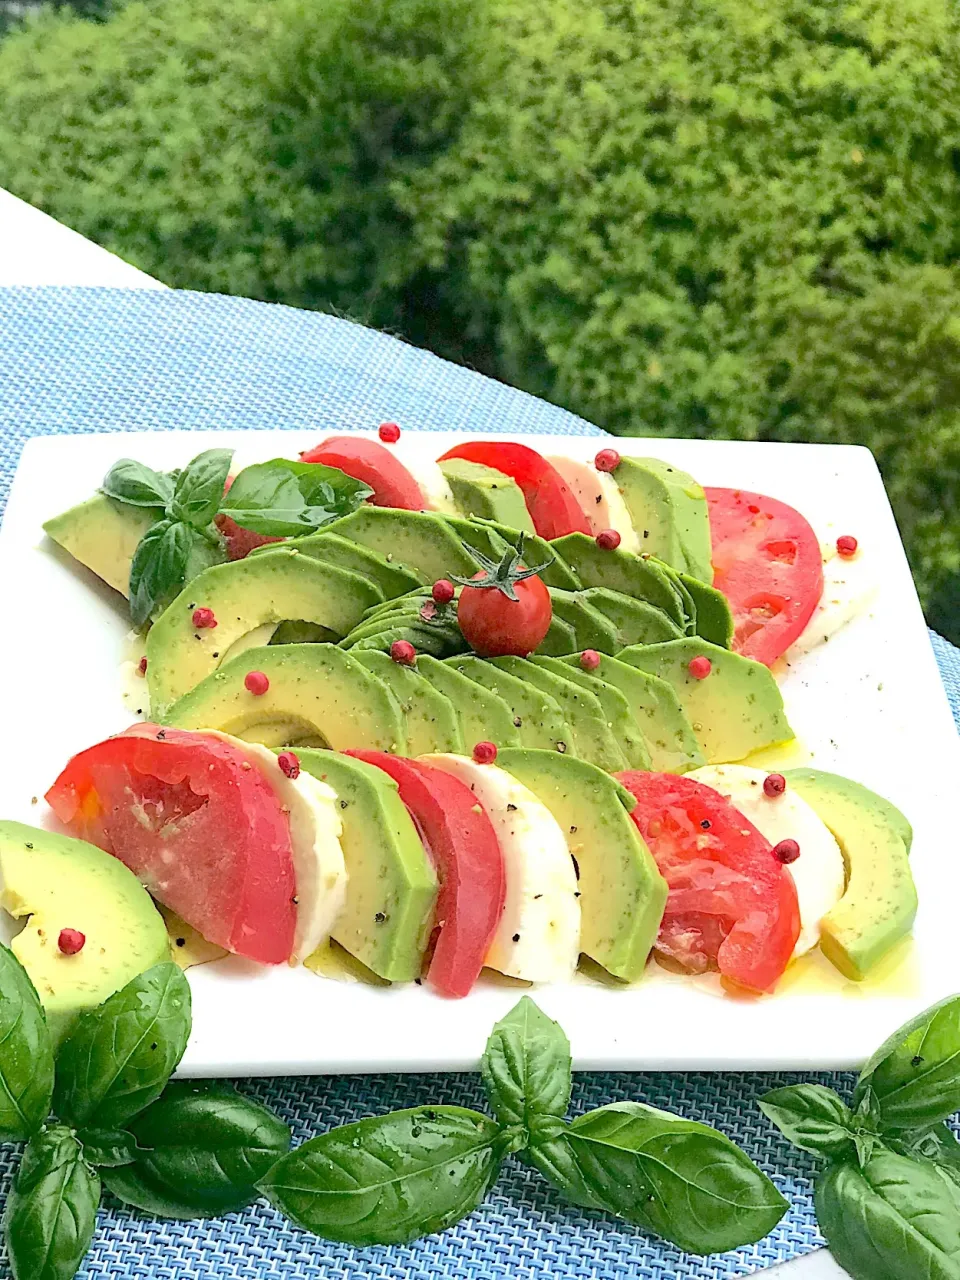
868	704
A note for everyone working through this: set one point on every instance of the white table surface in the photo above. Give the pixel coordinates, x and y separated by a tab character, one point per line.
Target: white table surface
35	249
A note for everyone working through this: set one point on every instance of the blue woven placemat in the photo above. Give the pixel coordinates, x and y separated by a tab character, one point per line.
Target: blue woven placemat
89	360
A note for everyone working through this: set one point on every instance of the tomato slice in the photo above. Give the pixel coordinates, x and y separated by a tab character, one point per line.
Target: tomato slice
375	465
200	829
461	841
767	562
240	542
731	905
553	508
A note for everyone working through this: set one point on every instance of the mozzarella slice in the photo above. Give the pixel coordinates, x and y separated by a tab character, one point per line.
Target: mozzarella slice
819	872
437	494
315	829
849	587
539	934
598	494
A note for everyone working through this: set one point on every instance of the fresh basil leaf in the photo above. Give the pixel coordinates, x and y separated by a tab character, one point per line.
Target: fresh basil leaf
139	486
915	1074
812	1117
108	1148
680	1179
526	1068
555	1158
204	1147
26	1053
52	1208
390	1179
120	1055
894	1218
938	1144
285	499
199	489
159	567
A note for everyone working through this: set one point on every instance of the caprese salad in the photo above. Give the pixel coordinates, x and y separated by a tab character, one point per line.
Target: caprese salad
495	711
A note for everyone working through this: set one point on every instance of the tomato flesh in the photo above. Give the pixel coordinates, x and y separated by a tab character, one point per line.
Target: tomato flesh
495	626
767	562
553	507
462	844
375	465
731	905
240	542
204	834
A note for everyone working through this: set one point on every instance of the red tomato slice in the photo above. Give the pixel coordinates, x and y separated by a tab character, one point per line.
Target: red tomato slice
203	833
240	542
731	905
553	508
375	465
462	843
767	562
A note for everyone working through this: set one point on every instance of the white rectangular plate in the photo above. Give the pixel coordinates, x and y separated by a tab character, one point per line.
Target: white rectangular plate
869	704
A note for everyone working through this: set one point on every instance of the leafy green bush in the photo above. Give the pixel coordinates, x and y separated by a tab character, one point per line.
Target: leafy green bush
695	217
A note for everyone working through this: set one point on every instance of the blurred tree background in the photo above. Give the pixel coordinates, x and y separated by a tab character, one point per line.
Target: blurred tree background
734	218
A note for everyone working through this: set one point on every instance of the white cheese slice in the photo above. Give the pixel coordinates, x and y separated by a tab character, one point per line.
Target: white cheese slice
538	938
601	500
315	830
849	587
437	494
819	872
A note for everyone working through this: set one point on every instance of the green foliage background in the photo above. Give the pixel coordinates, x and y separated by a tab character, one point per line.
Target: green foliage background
733	218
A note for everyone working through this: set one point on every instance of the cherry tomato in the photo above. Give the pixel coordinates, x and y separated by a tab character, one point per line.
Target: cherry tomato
731	905
369	461
767	562
199	828
462	844
494	625
553	508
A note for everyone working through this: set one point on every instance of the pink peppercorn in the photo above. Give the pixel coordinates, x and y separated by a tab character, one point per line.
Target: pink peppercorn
256	682
700	667
608	540
485	752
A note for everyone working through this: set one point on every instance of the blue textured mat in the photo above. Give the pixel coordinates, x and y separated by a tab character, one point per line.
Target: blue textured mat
87	360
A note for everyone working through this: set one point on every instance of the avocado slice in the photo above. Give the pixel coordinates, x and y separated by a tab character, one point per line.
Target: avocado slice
295	632
622	571
317	694
687	600
636	621
622	894
669	512
879	904
61	883
656	708
391	884
481	491
592	737
537	550
444	625
478	536
431	720
420	542
484	716
591	629
392	579
614	705
714	621
244	595
437	643
536	716
735	710
560	638
103	535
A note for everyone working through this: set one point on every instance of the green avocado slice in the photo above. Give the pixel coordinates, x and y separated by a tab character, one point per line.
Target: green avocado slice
244	595
592	737
56	883
484	716
622	571
392	579
421	543
656	708
480	491
879	904
622	893
437	643
669	510
103	535
736	709
391	885
431	721
636	621
560	638
591	629
317	694
537	717
616	709
714	621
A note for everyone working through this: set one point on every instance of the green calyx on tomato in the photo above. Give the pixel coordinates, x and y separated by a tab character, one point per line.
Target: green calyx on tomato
505	609
502	576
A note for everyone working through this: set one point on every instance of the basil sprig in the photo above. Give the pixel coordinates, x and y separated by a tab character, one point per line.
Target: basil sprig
888	1201
279	498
